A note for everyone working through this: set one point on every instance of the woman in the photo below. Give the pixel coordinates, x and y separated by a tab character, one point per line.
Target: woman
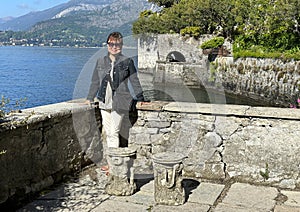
110	81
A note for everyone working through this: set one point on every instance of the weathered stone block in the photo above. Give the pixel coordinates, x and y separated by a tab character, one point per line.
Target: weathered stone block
159	124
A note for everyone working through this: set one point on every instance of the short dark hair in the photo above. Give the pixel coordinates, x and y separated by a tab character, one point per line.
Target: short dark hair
115	36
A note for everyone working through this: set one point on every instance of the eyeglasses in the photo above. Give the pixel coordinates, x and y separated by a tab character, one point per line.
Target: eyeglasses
117	45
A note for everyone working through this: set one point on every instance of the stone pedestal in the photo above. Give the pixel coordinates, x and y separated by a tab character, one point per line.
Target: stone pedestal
168	188
121	172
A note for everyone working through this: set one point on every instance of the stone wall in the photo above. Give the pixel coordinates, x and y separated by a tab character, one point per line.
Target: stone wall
180	73
41	145
250	144
155	48
271	80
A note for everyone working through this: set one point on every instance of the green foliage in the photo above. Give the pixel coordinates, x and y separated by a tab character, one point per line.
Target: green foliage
265	174
210	16
191	31
270	26
213	71
146	13
263	52
3	103
213	43
5	107
149	24
164	3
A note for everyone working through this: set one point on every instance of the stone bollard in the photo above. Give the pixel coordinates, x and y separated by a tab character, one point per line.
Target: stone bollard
168	189
120	162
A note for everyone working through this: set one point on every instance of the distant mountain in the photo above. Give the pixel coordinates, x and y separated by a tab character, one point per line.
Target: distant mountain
75	23
98	7
6	19
26	21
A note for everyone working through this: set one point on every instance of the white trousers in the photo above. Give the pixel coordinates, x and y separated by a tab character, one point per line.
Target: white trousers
111	121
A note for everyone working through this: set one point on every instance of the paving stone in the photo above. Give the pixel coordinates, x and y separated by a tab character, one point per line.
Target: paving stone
149	187
71	196
206	193
87	194
187	207
42	205
233	208
118	206
138	198
284	208
57	194
255	198
293	198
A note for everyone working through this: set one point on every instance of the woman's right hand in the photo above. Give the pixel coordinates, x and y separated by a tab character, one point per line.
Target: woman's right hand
88	102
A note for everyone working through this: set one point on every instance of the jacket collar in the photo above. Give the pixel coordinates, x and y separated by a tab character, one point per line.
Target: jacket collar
118	57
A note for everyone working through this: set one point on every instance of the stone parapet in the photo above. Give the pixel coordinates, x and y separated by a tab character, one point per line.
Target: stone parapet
41	145
252	144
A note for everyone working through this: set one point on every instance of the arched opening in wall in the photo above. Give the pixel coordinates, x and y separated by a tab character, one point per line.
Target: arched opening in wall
175	56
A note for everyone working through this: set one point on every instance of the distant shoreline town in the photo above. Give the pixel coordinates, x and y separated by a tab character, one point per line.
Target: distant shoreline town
49	43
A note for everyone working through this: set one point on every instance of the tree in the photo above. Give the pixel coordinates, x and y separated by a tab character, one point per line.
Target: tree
268	24
271	24
164	3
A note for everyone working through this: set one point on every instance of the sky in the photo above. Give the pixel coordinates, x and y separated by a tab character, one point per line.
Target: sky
16	8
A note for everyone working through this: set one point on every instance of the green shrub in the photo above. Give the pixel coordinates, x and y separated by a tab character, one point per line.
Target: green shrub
191	31
146	13
252	45
285	56
213	71
213	43
6	109
3	103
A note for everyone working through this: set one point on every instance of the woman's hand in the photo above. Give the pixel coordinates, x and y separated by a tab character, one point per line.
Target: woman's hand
140	104
88	102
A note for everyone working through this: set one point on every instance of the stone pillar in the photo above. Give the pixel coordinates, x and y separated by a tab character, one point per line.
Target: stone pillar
121	172
168	189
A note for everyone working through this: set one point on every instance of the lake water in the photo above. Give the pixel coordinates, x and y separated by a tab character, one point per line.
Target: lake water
42	75
50	75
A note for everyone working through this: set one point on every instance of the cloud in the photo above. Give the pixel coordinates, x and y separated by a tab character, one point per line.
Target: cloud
23	6
27	7
37	2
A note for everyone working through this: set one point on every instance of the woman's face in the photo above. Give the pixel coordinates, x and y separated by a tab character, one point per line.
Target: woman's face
114	46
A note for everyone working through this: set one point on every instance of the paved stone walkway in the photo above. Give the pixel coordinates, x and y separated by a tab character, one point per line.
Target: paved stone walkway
87	194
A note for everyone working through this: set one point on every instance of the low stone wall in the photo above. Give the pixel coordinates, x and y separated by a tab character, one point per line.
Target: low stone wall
251	144
40	145
181	73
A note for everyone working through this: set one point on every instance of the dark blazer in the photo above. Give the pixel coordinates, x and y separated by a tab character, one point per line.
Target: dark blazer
125	84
